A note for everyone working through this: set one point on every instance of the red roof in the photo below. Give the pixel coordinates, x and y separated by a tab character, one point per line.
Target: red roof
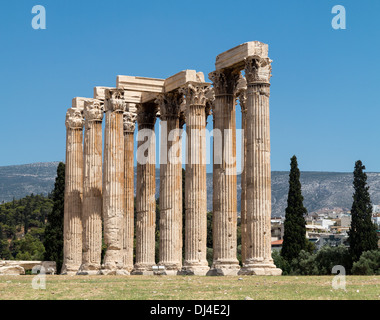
278	242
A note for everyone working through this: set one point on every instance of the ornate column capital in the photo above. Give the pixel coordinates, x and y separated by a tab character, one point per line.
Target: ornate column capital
74	119
129	121
129	118
210	103
195	94
114	100
93	111
146	115
258	70
169	104
225	81
241	94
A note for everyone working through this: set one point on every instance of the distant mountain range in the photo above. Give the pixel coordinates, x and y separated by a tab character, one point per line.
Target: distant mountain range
22	180
321	190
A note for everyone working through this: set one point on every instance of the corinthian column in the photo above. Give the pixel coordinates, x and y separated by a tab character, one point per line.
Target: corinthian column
72	252
195	186
145	190
129	130
170	183
241	95
92	188
224	174
258	260
113	182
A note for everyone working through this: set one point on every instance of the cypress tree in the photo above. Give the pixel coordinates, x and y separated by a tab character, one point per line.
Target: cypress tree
54	229
294	225
362	234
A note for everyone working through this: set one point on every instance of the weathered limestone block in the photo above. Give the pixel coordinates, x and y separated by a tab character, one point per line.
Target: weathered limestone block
181	78
145	90
140	84
100	92
78	103
49	266
234	58
72	255
12	271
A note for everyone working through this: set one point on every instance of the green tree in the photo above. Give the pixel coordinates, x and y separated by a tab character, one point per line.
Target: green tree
28	248
53	238
368	264
362	234
4	247
294	225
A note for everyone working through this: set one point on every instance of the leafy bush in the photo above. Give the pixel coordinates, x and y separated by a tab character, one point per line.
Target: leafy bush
304	264
328	257
368	264
280	262
28	248
320	263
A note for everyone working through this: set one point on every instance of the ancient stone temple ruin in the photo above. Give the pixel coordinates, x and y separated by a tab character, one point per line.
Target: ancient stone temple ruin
99	191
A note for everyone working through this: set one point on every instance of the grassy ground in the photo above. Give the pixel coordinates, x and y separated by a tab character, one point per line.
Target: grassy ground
189	288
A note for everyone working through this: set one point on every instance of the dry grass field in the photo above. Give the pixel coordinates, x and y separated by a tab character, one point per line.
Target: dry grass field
189	288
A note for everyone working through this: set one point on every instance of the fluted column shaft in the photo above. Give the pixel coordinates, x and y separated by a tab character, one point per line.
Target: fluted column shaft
195	182
258	258
72	256
258	174
145	190
92	188
128	238
92	196
243	203
170	253
224	174
113	183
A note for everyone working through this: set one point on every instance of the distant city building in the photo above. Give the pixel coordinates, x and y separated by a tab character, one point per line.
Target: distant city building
277	245
376	208
332	240
376	220
277	228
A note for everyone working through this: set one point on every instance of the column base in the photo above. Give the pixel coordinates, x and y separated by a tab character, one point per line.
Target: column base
89	269
70	270
224	269
143	270
194	270
113	263
113	272
171	268
68	273
260	269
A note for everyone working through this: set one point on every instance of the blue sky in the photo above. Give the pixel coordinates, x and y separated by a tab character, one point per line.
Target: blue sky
325	104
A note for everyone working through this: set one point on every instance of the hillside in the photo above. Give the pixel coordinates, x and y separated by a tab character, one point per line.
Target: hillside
320	189
22	180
